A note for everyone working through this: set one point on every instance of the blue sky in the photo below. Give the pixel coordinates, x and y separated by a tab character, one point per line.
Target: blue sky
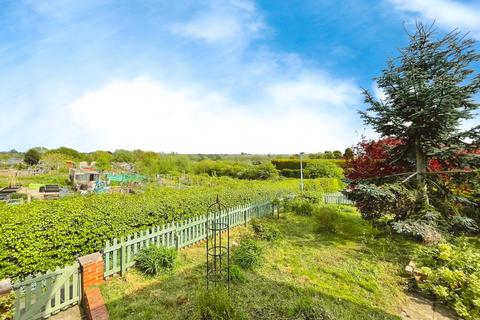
212	76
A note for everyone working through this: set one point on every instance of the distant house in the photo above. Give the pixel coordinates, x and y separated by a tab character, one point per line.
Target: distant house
83	178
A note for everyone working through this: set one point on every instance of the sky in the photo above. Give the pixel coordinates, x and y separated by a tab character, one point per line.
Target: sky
210	76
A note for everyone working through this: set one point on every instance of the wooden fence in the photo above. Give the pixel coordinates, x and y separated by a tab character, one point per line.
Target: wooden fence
42	295
119	254
336	198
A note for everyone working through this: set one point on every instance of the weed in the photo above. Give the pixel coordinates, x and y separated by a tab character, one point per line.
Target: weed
264	231
152	260
248	254
216	305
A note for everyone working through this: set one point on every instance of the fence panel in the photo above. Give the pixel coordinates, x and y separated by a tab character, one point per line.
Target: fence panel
119	254
337	198
45	294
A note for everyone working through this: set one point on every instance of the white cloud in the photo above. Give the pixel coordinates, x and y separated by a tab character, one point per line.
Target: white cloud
316	91
379	93
220	21
147	114
446	13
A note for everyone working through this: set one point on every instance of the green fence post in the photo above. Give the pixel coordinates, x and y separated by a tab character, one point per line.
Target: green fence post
123	257
245	216
177	245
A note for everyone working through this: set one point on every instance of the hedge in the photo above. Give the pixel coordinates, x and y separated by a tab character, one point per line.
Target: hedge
39	236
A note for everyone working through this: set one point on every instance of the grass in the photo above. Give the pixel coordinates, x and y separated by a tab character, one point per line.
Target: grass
351	273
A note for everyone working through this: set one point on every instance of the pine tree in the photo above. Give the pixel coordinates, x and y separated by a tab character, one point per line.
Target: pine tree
429	91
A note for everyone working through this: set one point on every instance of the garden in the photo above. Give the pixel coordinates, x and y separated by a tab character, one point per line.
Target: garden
413	229
292	267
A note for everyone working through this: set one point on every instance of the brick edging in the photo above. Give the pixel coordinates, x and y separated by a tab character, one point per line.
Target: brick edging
95	305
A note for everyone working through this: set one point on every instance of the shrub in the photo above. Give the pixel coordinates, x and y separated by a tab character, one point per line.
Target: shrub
32	157
376	202
324	184
327	218
248	254
265	232
6	306
216	305
152	260
236	274
452	276
305	309
323	169
300	206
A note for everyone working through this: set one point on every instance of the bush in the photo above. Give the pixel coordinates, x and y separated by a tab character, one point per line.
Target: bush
300	206
305	309
327	218
236	274
152	260
6	306
265	232
452	276
376	202
323	169
248	254
32	157
216	305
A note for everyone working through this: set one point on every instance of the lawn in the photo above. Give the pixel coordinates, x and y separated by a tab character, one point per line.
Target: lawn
352	273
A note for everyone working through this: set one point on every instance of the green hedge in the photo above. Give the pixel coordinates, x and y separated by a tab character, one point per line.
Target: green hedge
312	168
42	235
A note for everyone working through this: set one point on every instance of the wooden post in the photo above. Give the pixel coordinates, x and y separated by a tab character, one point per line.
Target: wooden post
123	257
245	217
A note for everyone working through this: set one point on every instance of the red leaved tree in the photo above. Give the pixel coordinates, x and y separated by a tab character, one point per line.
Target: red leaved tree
372	159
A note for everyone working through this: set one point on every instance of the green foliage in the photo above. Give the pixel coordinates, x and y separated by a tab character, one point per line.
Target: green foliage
237	169
301	206
312	168
263	231
54	161
6	306
328	219
306	309
430	87
103	159
216	305
236	274
376	202
42	235
323	169
327	185
452	276
69	153
31	157
153	259
121	155
248	254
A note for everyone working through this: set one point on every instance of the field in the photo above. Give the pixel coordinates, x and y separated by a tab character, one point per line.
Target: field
351	273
